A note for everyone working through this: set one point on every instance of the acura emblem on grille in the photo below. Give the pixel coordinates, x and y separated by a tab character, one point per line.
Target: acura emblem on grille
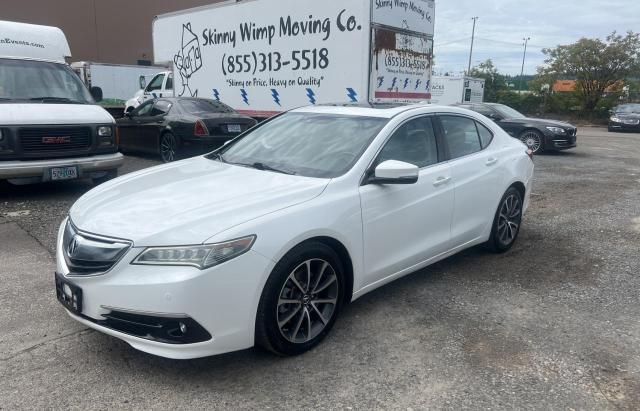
56	139
73	246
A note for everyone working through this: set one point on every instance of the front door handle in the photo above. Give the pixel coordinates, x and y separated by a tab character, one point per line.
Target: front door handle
441	181
491	161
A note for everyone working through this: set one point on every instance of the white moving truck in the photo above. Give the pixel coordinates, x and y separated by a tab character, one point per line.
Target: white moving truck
50	126
262	57
117	81
446	90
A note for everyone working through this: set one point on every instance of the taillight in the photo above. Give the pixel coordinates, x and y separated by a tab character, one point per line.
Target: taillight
200	129
530	154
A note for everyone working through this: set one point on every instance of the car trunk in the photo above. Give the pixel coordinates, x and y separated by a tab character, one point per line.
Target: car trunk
227	124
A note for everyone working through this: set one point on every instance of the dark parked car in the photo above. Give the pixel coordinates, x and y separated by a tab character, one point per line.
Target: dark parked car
538	134
625	117
180	127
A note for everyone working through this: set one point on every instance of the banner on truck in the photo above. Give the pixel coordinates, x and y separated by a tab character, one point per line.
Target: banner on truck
401	67
412	15
263	57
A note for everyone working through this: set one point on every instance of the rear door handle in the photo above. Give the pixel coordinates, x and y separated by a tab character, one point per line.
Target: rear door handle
441	181
491	161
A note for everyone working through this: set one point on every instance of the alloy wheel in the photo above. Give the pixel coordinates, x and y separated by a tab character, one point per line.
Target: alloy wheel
509	219
168	147
532	141
307	301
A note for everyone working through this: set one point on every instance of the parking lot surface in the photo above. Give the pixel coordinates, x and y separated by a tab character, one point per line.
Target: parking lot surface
553	324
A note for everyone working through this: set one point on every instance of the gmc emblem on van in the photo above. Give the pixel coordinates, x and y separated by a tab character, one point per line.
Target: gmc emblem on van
56	140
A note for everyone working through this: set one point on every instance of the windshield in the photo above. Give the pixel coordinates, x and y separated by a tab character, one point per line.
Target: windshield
37	80
628	108
307	144
507	112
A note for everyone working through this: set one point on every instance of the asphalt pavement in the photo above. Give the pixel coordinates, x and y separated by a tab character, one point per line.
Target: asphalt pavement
553	324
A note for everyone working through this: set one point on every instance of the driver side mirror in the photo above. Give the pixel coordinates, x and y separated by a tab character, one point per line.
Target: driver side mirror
395	172
143	82
96	93
495	117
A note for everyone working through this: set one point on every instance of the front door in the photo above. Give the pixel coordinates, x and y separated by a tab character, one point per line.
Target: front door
405	225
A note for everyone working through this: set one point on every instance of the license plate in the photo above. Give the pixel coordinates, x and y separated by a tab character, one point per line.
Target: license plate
69	295
63	173
234	128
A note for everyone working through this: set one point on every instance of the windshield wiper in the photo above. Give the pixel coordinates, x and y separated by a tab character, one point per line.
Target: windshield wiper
265	167
56	99
217	156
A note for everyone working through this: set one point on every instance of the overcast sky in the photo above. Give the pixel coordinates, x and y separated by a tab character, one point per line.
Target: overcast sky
502	25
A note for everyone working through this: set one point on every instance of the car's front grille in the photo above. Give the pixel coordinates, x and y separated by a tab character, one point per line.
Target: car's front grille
54	139
86	254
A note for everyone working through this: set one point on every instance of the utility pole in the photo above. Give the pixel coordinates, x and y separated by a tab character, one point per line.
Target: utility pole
473	35
524	56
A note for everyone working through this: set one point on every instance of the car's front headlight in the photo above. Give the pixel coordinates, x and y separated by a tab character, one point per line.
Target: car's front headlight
615	119
105	131
199	256
556	130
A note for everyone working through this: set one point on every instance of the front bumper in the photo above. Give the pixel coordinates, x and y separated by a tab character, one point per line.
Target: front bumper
614	126
223	300
560	141
40	168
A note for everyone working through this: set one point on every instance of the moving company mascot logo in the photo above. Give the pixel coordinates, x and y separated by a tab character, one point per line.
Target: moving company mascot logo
189	59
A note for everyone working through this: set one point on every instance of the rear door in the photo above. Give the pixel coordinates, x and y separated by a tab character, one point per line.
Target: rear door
404	225
475	169
129	127
151	124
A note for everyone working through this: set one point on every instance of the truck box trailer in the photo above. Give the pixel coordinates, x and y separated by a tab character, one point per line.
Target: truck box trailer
117	81
446	90
262	57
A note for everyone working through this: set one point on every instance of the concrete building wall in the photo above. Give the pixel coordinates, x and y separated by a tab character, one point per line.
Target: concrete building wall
106	31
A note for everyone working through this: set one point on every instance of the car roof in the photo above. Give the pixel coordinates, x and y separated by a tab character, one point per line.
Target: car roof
376	110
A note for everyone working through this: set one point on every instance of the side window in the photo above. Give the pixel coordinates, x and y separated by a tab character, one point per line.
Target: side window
169	85
461	135
161	107
414	142
485	135
156	83
144	109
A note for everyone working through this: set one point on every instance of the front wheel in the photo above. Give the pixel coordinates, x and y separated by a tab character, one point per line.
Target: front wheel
301	300
533	140
507	221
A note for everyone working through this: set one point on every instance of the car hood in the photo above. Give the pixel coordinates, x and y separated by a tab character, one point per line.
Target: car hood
43	113
187	202
540	122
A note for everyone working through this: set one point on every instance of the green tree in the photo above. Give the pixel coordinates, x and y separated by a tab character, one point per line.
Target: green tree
494	81
595	64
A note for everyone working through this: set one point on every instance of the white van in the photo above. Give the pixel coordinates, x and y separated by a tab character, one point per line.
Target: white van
50	125
161	85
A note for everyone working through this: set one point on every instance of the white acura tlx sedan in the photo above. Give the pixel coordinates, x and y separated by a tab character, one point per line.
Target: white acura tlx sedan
263	241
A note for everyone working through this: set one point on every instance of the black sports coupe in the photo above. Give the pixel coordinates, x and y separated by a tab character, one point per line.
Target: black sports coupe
178	127
625	117
538	134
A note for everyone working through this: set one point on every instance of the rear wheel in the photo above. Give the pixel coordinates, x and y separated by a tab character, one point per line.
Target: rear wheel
533	140
507	221
301	300
168	147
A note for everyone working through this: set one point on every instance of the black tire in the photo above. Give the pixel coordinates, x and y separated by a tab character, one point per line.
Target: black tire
111	174
277	337
497	242
168	147
533	139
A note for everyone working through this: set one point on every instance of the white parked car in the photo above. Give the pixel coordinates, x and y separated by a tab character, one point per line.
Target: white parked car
265	240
